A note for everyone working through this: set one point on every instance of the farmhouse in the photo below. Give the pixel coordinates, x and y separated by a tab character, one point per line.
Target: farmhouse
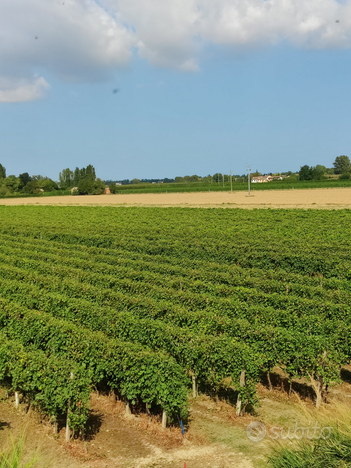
268	178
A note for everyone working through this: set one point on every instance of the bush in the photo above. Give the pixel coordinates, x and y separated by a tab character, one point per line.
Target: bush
113	188
85	186
89	187
345	176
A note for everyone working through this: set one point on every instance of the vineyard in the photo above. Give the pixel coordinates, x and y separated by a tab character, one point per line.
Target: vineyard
156	303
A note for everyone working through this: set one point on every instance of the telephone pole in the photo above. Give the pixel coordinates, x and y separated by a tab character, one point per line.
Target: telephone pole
248	176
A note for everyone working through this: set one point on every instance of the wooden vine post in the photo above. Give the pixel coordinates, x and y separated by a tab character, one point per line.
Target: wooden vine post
164	419
68	431
194	386
16	399
239	402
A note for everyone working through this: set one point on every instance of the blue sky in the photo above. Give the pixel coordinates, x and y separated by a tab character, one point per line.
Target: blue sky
191	100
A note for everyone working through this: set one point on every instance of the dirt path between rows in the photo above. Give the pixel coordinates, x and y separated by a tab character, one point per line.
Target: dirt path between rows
330	198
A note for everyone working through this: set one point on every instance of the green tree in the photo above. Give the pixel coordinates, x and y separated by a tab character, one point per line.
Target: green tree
113	188
88	187
342	164
12	183
305	173
2	172
76	177
85	186
135	181
90	173
82	173
24	179
31	187
48	185
66	178
98	187
318	172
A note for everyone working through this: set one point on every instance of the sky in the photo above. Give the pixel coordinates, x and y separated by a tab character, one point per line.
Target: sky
165	88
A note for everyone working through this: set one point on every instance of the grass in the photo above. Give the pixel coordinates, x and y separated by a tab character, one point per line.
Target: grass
332	451
14	457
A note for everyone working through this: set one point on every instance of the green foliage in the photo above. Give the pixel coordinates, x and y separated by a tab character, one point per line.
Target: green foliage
98	187
146	297
84	179
14	457
48	185
318	172
332	452
342	164
46	380
2	172
24	179
345	176
66	178
85	186
113	188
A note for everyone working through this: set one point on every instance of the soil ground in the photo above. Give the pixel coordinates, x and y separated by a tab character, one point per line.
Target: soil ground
215	436
330	198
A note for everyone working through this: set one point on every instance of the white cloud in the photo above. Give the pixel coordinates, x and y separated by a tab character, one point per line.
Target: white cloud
72	39
171	33
22	90
87	39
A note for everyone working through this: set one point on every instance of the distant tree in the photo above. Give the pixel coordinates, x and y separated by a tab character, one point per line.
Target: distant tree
256	173
318	172
82	173
2	172
342	164
76	177
11	183
90	173
113	187
217	177
66	178
85	186
179	180
305	173
135	181
88	187
31	187
98	187
47	185
24	179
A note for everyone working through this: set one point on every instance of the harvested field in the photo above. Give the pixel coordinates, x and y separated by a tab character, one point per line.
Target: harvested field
333	198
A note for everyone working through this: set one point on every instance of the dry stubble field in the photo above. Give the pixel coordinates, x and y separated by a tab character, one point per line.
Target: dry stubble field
330	198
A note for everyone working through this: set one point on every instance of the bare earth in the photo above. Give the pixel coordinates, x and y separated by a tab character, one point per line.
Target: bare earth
330	198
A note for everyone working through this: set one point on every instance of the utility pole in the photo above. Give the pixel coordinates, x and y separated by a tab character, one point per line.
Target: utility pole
231	181
223	179
248	176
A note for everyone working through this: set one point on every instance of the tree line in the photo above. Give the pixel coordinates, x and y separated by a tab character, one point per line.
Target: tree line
342	167
24	183
83	181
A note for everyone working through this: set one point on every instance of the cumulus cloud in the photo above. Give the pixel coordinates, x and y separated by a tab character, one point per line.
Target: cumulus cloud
172	33
22	90
87	39
72	39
